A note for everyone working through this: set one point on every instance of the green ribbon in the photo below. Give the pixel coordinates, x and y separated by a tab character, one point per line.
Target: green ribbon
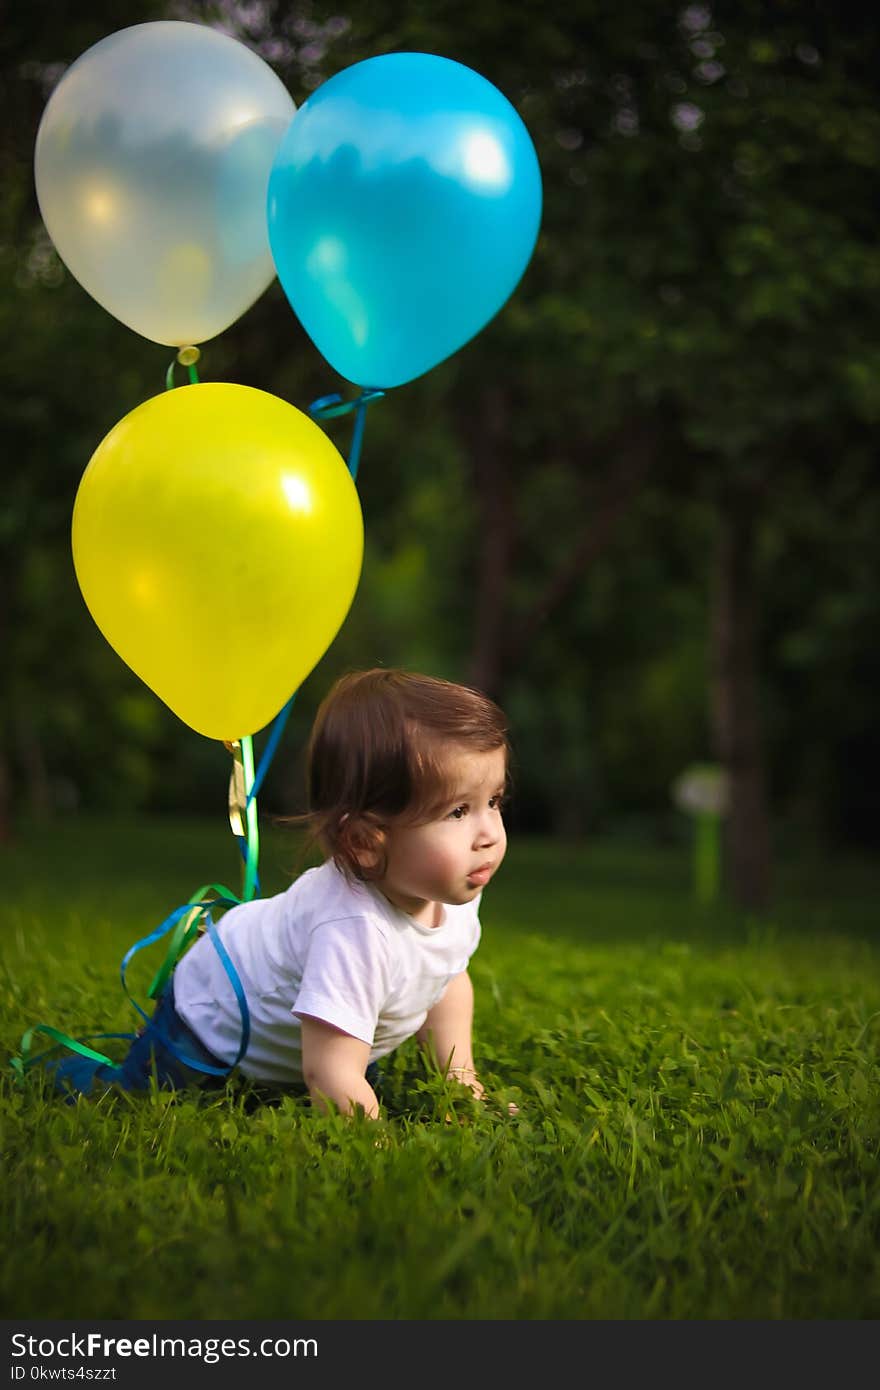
20	1064
243	811
186	357
186	930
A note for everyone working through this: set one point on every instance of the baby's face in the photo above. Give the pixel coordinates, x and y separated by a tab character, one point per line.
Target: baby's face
452	858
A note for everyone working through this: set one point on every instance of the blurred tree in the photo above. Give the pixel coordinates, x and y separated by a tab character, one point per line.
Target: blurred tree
695	300
62	375
653	467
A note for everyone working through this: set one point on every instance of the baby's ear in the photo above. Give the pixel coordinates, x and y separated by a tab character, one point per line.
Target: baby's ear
364	842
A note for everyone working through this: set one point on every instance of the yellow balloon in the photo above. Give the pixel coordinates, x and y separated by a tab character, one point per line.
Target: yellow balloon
218	542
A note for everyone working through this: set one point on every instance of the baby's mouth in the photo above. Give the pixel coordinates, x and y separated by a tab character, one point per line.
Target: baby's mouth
481	876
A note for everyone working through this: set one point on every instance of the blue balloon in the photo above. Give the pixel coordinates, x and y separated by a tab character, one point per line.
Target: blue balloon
404	205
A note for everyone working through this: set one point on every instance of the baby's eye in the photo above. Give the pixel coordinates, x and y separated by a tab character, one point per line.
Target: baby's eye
497	802
458	814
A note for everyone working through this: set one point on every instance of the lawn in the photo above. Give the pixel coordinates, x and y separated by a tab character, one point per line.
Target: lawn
697	1138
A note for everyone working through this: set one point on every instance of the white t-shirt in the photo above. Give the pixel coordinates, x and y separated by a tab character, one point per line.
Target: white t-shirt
334	950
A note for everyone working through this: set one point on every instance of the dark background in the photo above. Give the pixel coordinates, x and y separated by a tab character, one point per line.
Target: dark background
640	508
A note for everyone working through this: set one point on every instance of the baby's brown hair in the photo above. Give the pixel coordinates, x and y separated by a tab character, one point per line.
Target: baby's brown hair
376	756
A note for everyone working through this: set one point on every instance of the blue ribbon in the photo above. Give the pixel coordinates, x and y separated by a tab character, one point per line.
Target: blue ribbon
270	749
196	1063
171	920
329	407
324	408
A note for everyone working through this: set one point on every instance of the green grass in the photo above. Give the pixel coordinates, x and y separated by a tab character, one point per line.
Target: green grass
698	1136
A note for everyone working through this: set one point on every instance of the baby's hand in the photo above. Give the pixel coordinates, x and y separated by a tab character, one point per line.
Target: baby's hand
466	1076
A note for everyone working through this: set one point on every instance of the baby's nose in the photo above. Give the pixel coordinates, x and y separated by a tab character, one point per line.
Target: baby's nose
487	830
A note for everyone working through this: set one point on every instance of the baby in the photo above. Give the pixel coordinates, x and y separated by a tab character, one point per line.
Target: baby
406	778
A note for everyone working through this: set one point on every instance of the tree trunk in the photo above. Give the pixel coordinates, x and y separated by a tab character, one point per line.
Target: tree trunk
735	708
38	792
5	800
634	458
497	649
496	530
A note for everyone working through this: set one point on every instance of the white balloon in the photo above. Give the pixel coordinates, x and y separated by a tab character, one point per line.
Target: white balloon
152	164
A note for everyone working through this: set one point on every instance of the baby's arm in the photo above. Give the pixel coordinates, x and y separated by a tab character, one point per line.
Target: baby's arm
333	1067
447	1032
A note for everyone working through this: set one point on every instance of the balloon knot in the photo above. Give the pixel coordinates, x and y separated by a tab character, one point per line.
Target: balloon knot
328	407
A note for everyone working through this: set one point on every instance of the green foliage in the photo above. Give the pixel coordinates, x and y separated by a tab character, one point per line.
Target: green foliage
703	293
697	1137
